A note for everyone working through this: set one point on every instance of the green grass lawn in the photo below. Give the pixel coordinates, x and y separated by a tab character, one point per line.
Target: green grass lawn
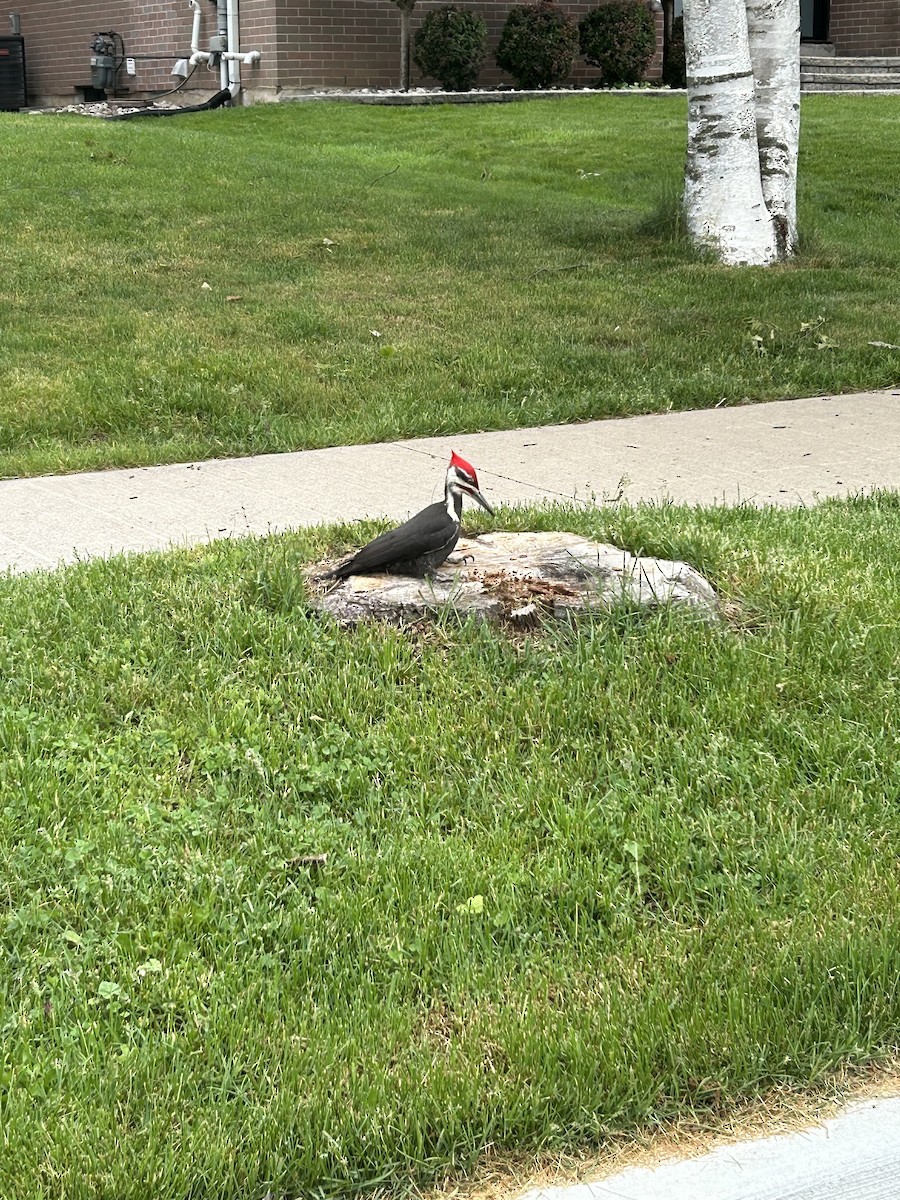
518	262
574	885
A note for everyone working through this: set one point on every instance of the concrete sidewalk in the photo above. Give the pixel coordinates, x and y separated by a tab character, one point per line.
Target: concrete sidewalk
788	452
853	1156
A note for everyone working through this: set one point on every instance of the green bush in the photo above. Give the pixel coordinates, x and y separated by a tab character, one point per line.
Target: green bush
619	37
538	44
674	69
450	46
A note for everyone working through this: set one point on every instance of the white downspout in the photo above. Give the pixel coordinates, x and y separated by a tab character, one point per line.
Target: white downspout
234	49
229	59
222	36
197	54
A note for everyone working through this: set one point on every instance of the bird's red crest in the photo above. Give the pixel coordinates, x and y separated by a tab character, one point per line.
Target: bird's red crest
458	461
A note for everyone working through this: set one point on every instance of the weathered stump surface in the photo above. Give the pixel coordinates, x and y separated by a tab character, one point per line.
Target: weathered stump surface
519	578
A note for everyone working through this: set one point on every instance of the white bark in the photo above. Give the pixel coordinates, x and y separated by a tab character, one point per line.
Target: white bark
773	28
723	197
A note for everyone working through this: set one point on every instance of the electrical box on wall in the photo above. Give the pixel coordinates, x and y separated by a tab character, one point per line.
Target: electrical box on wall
103	62
12	74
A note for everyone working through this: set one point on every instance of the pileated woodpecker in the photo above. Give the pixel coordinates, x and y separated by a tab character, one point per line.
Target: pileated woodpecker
423	542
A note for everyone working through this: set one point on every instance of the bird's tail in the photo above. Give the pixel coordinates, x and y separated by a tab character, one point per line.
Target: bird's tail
343	571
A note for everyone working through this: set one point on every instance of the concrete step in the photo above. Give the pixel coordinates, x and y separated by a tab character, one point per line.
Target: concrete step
821	73
857	78
851	64
850	89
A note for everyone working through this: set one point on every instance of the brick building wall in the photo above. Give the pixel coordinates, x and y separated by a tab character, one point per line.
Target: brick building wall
259	31
155	32
58	37
307	44
865	27
159	33
304	44
356	43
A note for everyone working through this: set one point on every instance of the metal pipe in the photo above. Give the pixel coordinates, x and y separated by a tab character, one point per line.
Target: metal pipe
233	34
222	41
228	36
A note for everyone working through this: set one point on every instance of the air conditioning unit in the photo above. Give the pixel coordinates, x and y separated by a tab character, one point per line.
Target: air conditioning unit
12	74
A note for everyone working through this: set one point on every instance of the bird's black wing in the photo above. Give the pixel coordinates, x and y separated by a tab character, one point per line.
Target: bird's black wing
424	533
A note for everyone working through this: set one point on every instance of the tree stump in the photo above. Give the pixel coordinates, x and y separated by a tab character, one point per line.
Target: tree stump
518	579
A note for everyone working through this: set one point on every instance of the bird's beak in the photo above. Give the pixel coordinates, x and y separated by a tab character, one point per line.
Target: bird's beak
476	495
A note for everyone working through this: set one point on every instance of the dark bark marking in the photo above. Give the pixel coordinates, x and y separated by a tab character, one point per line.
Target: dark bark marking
695	81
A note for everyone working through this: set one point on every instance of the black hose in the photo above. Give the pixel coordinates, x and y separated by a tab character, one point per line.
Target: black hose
216	101
156	95
122	55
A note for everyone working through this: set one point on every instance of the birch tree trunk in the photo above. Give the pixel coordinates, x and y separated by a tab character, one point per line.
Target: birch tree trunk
773	28
743	125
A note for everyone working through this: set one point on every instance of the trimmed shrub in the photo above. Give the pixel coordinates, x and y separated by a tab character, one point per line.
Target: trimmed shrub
674	68
619	38
538	44
450	46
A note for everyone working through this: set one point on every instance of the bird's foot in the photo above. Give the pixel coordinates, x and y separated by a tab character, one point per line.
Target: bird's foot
460	560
